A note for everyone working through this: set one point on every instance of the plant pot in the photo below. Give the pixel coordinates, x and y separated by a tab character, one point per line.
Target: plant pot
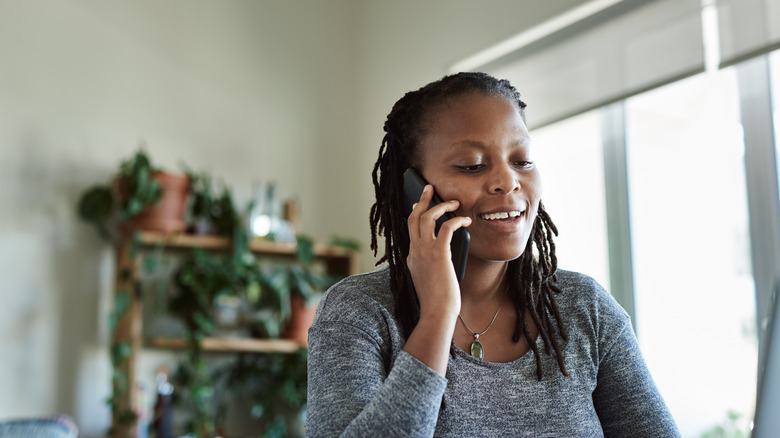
167	215
301	317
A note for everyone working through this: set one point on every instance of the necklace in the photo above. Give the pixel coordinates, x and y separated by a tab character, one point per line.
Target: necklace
476	347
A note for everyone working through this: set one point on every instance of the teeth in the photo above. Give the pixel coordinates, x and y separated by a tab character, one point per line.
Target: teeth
501	215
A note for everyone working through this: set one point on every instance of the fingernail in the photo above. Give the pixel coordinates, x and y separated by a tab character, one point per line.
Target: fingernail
414	205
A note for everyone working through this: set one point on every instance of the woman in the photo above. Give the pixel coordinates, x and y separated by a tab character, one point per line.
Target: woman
390	352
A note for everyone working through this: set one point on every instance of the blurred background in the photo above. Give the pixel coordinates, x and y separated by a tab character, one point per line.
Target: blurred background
653	124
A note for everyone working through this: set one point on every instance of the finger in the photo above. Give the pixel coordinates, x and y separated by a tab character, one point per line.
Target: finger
449	227
413	222
429	218
439	210
426	195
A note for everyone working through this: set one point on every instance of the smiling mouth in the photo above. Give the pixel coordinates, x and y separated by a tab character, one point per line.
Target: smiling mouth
501	215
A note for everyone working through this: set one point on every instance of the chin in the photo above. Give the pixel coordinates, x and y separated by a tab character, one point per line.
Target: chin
505	253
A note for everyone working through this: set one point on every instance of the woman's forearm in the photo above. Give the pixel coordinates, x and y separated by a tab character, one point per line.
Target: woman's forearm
430	341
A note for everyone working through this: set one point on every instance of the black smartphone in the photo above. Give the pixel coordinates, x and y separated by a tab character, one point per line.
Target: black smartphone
413	188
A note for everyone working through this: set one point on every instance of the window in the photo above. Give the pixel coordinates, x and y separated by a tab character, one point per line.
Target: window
694	291
671	171
569	156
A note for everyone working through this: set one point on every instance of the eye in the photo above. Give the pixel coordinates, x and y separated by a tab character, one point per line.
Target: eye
523	164
472	167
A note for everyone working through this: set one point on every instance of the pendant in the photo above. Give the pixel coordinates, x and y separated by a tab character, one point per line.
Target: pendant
476	348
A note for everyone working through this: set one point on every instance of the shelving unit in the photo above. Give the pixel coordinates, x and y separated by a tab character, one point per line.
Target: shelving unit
129	328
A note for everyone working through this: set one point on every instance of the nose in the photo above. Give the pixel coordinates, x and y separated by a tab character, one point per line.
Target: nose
503	179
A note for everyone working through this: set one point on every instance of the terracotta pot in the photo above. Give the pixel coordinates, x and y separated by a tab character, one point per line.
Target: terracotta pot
167	215
302	316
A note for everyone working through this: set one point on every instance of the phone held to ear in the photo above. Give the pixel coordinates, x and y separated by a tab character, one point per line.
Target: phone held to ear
459	246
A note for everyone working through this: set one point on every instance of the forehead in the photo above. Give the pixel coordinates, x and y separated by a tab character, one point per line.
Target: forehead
468	100
474	118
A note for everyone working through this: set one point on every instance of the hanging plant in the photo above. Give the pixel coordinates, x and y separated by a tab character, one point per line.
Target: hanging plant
138	196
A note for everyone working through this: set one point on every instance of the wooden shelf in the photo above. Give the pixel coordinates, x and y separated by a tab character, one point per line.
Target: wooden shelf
249	345
177	240
334	260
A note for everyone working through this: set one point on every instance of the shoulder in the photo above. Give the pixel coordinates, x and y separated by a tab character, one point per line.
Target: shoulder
578	290
357	296
583	301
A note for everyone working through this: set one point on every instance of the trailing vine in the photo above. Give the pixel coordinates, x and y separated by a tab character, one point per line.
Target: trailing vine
120	351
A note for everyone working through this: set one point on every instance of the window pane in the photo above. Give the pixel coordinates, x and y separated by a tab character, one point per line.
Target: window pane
695	303
774	71
569	156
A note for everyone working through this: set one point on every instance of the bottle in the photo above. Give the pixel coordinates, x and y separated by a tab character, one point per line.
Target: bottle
162	417
260	217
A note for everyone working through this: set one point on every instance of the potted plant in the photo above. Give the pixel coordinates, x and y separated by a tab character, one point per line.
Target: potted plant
300	285
210	211
140	196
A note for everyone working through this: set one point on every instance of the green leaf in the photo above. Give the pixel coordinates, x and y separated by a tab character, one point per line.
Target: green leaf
96	204
253	291
126	417
134	207
203	392
302	283
125	274
121	303
120	351
119	380
304	250
346	243
150	264
203	323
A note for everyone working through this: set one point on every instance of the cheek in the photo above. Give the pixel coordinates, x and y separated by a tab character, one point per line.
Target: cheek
533	185
450	191
447	188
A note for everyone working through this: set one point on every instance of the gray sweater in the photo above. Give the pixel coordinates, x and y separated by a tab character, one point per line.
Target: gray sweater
361	382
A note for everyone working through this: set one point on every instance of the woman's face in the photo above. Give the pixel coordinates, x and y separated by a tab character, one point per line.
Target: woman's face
478	152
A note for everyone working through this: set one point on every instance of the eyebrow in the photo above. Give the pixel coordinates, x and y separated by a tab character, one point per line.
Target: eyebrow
520	141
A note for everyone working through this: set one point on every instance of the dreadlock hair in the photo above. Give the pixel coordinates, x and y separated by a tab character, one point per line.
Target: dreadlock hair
531	276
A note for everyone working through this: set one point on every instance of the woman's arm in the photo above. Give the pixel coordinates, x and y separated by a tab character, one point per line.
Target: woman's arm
352	393
626	398
351	390
438	291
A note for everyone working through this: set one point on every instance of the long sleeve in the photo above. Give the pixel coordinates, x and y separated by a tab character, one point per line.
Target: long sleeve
360	382
626	398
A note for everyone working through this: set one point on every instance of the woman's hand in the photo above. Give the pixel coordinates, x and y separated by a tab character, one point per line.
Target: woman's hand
430	263
430	256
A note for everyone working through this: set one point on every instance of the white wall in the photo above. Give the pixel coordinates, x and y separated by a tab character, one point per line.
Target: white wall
242	89
294	92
